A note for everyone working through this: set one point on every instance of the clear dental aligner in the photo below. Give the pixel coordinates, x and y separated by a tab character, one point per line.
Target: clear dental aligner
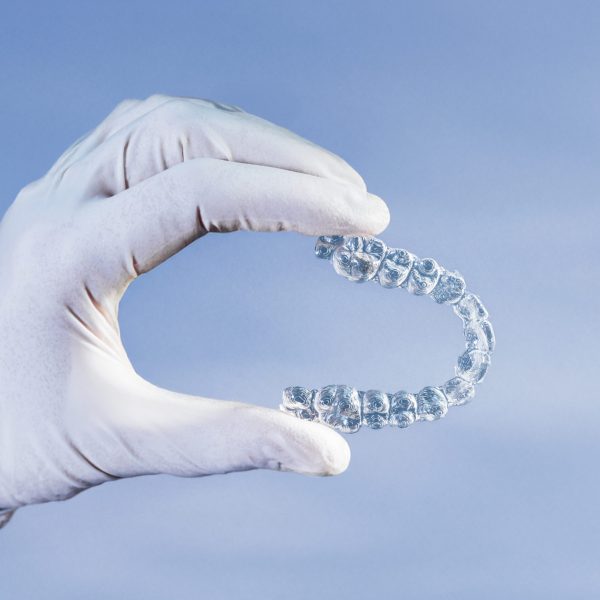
345	408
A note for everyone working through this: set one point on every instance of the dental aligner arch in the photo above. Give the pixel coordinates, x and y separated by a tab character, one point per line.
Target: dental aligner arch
345	408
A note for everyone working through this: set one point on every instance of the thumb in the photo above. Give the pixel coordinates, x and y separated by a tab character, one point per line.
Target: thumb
154	430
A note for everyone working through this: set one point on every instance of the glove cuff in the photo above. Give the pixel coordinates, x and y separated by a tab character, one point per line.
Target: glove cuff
5	516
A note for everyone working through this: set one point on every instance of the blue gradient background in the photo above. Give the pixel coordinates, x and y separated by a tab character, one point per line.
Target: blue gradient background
479	123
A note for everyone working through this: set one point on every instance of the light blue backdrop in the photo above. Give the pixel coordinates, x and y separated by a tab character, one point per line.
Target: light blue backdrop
479	123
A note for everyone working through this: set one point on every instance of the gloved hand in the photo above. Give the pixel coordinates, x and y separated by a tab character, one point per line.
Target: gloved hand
153	177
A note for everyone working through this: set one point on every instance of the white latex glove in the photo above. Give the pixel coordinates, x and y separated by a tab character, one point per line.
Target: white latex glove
153	177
